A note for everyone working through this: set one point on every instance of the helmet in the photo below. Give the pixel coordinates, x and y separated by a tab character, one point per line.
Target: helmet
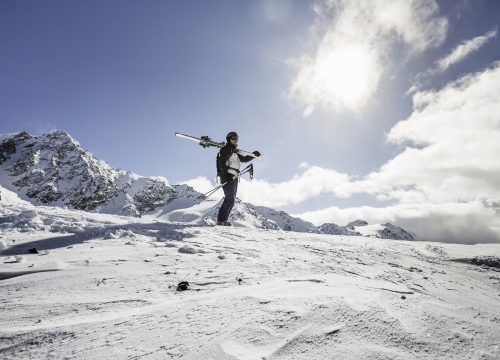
231	135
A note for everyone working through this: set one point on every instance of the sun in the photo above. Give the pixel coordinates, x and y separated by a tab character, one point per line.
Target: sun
343	76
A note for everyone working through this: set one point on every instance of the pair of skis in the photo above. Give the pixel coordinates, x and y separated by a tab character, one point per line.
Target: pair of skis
205	142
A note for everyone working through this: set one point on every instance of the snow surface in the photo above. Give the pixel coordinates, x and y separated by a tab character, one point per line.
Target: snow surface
105	287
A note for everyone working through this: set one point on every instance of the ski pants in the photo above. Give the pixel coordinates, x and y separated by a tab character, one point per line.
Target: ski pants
230	190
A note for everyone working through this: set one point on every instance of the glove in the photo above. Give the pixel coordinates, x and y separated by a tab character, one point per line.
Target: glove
256	153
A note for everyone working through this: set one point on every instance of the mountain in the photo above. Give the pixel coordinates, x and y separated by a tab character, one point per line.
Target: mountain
362	228
53	169
284	220
395	232
334	229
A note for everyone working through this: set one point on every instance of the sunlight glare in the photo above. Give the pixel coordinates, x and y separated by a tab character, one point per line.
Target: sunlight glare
344	75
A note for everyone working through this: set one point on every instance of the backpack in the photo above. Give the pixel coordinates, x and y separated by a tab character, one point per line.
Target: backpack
219	166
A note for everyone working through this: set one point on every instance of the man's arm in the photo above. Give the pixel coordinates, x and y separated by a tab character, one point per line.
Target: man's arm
248	157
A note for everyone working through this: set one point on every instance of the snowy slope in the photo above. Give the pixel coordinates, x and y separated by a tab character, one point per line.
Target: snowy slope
205	213
105	287
7	196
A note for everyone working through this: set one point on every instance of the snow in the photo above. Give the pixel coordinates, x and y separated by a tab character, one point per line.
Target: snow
105	286
369	230
8	196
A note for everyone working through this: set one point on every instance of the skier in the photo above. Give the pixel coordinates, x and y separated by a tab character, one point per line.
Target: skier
228	165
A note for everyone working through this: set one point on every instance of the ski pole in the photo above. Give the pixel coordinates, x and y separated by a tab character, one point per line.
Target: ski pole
202	197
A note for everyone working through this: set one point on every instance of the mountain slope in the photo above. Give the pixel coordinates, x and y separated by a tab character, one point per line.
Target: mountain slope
284	220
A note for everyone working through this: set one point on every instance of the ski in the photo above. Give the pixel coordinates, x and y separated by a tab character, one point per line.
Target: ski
205	141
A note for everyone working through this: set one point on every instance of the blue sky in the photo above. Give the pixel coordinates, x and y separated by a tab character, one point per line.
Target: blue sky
122	76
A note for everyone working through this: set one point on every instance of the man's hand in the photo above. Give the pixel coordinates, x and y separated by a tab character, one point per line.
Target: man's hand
256	153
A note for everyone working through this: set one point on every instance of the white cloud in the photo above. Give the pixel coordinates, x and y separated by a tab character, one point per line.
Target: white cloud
202	185
464	49
313	181
355	40
458	54
458	130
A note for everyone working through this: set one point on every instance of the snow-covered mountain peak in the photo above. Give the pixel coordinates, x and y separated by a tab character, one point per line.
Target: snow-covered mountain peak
362	228
54	169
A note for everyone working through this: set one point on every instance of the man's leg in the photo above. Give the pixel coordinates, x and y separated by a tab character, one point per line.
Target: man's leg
229	197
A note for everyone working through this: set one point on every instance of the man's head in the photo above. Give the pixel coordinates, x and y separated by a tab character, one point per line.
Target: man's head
232	138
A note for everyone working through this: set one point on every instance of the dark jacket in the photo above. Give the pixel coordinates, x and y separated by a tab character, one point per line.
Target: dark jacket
223	156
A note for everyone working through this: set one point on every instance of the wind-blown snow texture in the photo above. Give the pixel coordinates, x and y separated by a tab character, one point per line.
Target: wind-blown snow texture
53	169
104	286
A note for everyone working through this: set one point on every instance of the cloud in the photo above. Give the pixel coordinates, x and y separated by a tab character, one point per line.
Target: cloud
452	143
458	54
202	185
312	182
463	50
355	39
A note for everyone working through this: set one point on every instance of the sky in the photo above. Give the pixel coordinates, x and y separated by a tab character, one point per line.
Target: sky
383	110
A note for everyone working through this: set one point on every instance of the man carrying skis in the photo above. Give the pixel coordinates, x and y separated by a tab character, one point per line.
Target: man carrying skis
228	165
